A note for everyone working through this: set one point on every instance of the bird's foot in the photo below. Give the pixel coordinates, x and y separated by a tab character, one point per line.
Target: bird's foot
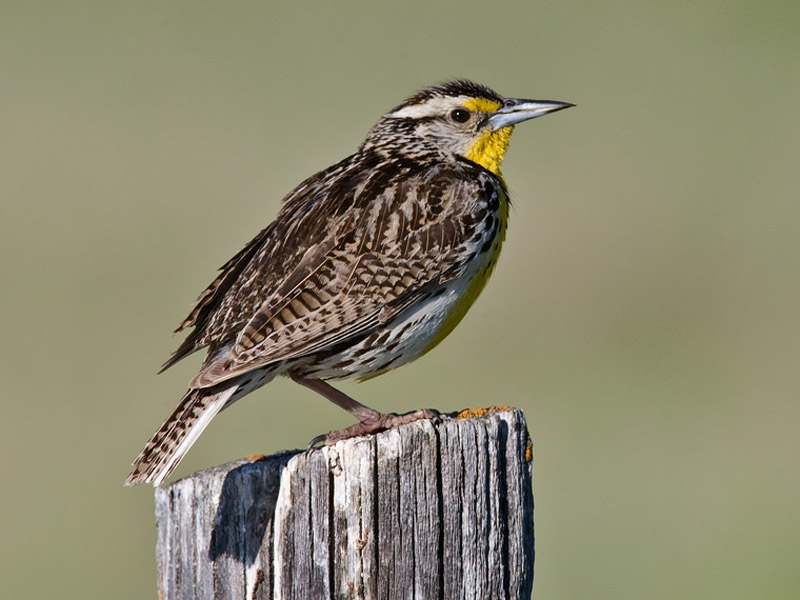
372	423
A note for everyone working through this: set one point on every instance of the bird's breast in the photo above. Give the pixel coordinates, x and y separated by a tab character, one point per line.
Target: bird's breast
422	326
466	289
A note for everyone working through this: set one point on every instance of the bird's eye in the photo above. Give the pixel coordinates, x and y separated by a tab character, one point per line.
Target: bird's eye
460	115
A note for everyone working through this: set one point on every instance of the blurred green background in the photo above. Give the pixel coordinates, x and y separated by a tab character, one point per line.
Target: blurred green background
644	313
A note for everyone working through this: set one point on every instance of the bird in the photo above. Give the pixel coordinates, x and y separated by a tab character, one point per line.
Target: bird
368	265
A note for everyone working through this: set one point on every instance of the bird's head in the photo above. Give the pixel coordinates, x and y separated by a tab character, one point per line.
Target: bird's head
458	118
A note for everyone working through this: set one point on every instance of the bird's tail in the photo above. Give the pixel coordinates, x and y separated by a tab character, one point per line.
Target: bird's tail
172	441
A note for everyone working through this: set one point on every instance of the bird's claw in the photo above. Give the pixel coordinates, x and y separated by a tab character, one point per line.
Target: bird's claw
380	422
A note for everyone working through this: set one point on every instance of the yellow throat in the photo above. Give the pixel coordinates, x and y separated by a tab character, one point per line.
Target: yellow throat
489	149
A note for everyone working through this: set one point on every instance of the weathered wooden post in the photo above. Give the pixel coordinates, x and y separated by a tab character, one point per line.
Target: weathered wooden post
425	511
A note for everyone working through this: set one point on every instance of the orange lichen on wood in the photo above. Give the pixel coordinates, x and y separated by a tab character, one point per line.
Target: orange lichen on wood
479	412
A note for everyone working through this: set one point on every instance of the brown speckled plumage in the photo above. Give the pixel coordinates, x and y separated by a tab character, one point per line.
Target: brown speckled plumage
354	277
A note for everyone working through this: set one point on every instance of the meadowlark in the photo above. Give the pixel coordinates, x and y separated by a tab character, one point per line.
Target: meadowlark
369	264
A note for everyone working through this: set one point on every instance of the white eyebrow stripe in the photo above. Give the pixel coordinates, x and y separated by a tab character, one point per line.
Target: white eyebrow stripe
430	108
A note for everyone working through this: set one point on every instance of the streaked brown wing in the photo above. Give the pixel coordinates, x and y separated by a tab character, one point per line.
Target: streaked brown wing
396	249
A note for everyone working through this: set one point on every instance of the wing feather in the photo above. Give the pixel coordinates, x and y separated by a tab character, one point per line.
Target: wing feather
384	255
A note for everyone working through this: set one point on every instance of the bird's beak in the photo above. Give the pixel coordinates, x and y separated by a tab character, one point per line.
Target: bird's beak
515	110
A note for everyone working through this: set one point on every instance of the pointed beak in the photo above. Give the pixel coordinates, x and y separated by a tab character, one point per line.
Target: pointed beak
515	110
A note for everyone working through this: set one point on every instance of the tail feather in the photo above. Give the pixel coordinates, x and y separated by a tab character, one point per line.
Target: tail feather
179	432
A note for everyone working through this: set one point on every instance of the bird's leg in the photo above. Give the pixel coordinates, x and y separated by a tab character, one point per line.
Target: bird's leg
340	399
369	420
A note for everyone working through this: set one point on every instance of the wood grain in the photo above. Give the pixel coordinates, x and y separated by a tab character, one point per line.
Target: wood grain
423	511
